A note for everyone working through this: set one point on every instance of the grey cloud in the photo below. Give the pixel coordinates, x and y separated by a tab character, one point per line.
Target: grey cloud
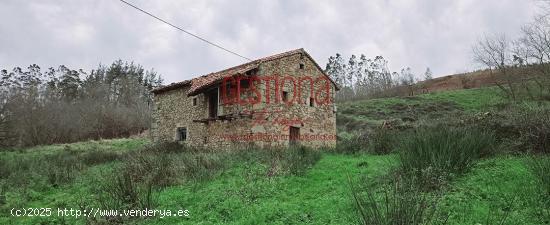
82	34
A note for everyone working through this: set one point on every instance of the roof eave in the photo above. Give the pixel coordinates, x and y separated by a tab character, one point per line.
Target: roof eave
170	87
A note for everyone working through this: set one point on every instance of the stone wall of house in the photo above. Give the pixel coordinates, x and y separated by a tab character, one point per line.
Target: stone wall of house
314	121
269	125
174	109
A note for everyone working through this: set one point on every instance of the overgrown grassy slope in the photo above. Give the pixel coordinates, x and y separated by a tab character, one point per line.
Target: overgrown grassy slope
245	195
408	111
243	191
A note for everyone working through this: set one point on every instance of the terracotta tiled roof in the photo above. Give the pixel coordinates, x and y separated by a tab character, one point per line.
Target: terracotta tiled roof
171	86
200	83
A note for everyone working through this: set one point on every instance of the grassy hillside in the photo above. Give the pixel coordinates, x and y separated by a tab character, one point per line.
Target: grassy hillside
295	186
407	111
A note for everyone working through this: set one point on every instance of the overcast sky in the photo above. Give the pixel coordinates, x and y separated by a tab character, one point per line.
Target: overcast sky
419	34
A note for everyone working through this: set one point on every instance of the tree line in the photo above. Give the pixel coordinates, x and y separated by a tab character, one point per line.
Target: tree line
61	105
361	77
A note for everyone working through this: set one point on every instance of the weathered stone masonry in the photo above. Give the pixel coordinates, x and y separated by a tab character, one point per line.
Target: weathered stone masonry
186	105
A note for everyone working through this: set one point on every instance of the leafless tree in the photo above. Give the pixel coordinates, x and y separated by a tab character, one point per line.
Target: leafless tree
534	49
495	52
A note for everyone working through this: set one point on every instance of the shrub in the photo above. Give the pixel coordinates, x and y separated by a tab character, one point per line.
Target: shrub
120	191
298	159
60	168
96	157
155	166
350	123
378	141
525	126
295	160
399	203
355	144
535	131
131	183
441	152
381	141
16	171
150	167
200	166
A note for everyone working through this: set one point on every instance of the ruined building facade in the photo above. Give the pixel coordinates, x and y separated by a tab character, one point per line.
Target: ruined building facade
279	100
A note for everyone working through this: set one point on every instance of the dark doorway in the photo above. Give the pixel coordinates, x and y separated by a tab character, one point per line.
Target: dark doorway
182	134
294	137
213	104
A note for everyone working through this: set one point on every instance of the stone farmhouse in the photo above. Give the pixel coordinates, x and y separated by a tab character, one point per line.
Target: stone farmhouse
280	100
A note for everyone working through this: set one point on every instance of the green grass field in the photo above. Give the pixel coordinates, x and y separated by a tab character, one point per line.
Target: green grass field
500	189
245	195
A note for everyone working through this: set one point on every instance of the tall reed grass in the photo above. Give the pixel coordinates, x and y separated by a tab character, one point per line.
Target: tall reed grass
434	154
